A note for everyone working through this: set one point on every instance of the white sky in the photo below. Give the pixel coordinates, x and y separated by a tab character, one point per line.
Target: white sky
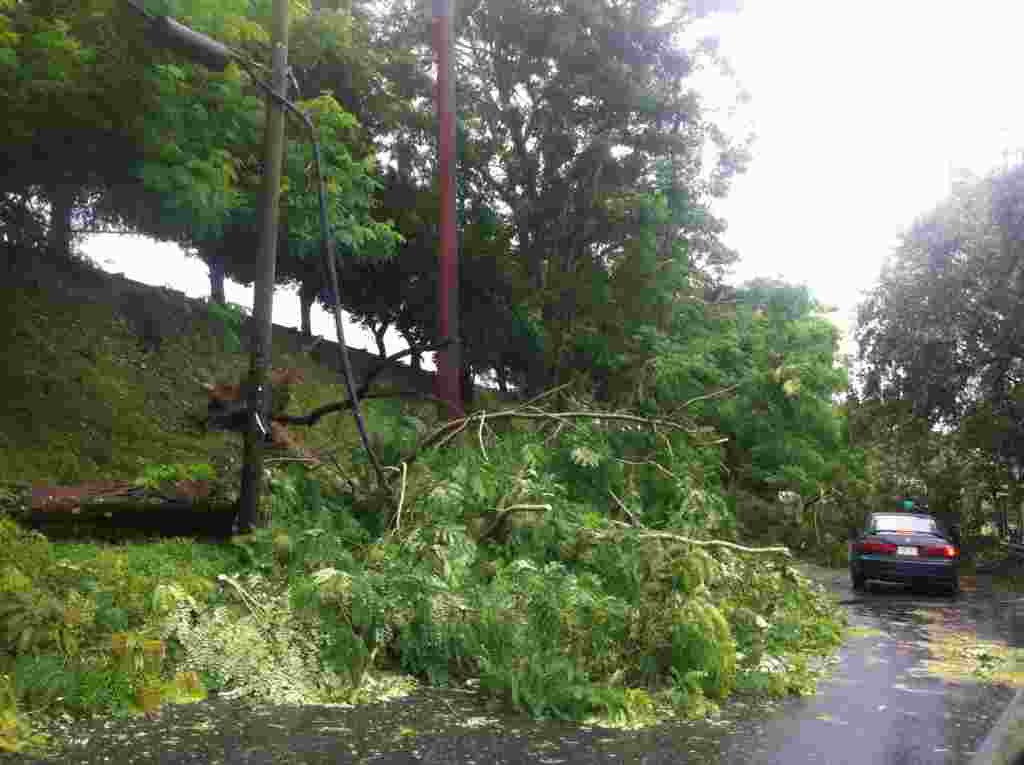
863	111
164	264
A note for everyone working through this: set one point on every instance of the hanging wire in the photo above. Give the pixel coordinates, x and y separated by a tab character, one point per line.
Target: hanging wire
326	252
210	52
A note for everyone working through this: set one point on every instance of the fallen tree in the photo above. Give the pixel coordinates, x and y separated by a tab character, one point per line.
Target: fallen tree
175	507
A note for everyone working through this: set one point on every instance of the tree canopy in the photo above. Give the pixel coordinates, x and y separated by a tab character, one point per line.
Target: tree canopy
587	171
943	331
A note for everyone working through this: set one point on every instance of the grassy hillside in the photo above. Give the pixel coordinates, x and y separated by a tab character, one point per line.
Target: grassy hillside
497	556
85	400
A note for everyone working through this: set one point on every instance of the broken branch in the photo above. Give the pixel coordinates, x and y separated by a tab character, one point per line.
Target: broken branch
623	508
480	435
385	363
401	498
340	406
363	391
670	537
499	522
440	435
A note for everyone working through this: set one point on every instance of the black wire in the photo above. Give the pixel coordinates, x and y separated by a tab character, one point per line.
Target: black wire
325	244
328	257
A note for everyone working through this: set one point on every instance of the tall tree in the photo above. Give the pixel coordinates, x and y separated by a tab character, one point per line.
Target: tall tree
568	108
943	331
93	105
773	347
199	181
72	102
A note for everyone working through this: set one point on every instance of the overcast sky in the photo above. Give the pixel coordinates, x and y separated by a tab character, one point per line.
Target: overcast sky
862	110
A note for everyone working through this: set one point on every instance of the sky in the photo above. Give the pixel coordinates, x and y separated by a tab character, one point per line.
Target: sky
863	114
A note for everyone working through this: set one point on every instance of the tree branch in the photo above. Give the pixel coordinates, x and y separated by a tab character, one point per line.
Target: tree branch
499	522
385	363
623	508
668	536
460	424
363	391
341	406
713	394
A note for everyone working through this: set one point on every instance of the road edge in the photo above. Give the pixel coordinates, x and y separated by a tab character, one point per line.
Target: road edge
1004	744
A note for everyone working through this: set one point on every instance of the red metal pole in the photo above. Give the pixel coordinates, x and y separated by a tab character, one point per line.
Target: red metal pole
449	371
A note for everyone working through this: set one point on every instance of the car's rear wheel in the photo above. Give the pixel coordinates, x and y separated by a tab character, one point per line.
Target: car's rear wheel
953	588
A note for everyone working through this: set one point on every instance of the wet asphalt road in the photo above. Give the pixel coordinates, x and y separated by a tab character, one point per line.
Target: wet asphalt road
891	699
882	704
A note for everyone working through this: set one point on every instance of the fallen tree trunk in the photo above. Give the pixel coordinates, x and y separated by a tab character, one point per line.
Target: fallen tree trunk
182	507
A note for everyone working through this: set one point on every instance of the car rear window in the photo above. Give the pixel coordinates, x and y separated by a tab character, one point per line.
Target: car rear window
896	522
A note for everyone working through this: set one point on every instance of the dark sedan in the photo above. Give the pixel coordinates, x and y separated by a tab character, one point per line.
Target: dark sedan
912	548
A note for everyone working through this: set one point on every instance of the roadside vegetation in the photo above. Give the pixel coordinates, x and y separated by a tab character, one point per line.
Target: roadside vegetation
600	536
570	566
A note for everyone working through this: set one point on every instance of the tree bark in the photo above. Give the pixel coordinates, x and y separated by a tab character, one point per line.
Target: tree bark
307	296
62	201
379	330
415	359
215	265
468	388
1015	505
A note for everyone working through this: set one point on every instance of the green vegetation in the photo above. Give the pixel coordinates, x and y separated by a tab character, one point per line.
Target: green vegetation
578	545
571	553
495	566
942	356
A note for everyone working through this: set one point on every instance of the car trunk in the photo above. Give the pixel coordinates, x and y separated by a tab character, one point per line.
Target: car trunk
911	545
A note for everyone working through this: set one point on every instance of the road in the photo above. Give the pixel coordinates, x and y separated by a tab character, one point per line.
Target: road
904	691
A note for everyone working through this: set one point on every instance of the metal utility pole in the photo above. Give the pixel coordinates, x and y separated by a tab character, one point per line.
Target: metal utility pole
263	297
449	368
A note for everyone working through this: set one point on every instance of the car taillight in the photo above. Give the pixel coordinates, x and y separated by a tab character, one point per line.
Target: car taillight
939	551
879	548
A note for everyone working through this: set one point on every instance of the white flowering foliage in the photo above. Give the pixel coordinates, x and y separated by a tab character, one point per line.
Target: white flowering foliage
267	652
773	665
522	564
448	494
585	457
335	588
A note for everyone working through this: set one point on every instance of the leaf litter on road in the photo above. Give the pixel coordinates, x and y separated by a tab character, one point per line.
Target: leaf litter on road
961	656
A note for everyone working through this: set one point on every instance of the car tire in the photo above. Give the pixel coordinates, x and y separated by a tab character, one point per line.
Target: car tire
953	588
857	580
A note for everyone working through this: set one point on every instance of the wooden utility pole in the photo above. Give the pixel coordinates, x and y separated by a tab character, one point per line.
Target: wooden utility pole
263	294
449	367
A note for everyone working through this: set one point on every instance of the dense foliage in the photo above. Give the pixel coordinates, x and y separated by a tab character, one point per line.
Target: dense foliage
571	563
561	564
941	349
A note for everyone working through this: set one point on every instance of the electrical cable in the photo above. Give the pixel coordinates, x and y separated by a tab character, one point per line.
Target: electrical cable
215	55
328	257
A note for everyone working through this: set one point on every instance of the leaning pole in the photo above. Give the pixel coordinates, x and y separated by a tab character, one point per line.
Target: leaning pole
263	294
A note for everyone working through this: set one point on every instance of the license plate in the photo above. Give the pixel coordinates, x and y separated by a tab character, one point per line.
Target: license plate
906	551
